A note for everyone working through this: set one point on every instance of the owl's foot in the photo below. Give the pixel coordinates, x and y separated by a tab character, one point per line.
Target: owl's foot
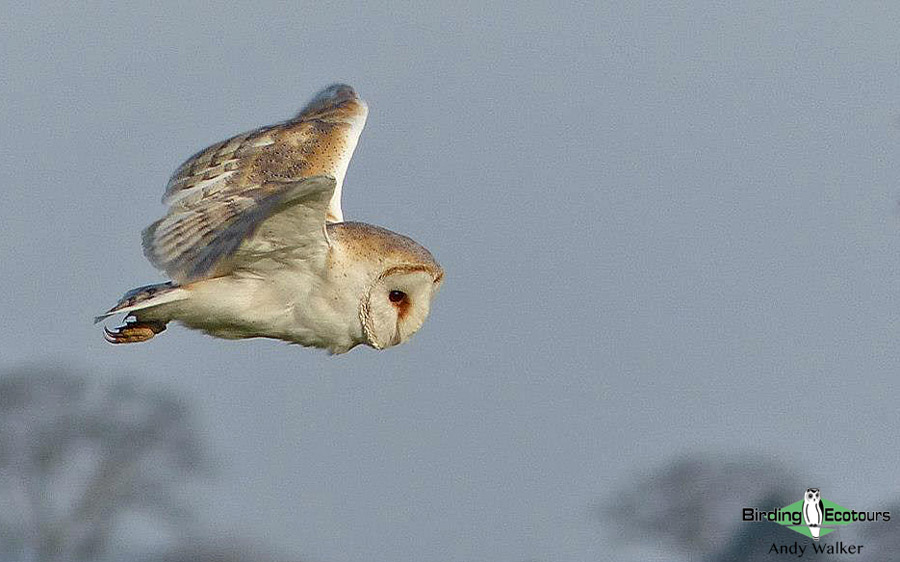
134	332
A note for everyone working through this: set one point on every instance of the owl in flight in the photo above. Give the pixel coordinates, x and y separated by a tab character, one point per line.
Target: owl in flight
256	244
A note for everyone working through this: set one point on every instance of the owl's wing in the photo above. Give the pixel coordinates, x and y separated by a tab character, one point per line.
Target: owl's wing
240	228
259	193
318	141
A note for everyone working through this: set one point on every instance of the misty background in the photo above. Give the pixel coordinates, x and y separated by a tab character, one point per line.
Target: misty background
670	234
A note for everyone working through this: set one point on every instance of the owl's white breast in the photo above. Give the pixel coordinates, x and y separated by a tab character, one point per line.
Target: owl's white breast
301	304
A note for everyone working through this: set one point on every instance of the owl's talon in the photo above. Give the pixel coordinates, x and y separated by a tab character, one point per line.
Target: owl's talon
133	332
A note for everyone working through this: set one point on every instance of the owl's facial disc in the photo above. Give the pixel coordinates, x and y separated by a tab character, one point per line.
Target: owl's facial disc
397	304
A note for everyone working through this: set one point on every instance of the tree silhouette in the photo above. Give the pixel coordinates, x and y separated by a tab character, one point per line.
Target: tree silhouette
881	540
691	509
216	551
76	455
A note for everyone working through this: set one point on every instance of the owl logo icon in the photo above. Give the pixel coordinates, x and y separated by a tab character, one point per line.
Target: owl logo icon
813	512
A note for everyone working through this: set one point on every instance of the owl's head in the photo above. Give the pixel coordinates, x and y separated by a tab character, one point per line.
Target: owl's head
397	303
812	494
337	103
398	279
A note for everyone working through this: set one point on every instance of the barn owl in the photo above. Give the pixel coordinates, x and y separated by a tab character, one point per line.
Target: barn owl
256	246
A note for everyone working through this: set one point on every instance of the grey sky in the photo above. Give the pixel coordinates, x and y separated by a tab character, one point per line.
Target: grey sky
663	230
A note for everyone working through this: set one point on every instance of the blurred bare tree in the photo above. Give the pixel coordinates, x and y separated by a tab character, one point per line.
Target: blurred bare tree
77	455
216	550
691	509
881	540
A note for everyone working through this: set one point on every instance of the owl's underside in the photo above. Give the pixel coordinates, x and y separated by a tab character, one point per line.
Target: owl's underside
255	247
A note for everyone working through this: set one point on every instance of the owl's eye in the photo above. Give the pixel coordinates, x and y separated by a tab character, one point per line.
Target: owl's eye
396	296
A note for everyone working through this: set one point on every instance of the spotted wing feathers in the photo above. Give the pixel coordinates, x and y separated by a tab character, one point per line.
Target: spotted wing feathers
220	197
220	166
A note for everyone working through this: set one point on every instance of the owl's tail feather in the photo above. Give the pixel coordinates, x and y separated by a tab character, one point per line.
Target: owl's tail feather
141	298
146	325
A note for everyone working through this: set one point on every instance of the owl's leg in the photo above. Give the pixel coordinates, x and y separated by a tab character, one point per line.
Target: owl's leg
134	332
